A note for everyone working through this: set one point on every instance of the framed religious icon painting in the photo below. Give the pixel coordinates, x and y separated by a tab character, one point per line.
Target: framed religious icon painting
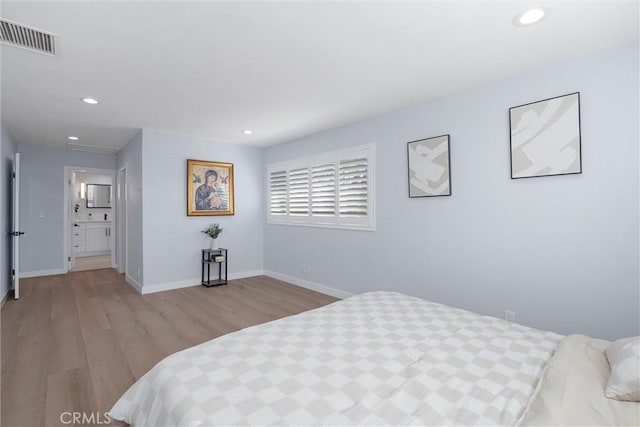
209	188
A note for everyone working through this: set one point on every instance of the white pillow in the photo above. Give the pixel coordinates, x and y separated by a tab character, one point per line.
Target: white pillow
624	359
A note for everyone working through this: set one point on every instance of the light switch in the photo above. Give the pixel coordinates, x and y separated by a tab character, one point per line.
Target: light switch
42	215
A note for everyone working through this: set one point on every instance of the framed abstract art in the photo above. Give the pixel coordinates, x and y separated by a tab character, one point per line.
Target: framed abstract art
429	167
545	137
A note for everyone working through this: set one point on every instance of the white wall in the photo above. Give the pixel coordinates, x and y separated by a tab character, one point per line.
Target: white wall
7	150
130	157
42	204
172	240
562	252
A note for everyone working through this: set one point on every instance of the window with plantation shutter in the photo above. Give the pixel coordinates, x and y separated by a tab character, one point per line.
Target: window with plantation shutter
278	193
329	190
353	189
299	192
323	190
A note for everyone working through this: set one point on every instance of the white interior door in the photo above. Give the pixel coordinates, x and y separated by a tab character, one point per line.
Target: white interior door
15	231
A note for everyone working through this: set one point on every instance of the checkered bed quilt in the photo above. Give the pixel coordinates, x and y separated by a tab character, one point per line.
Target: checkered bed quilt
380	358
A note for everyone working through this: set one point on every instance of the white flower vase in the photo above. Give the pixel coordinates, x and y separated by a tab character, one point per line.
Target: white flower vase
214	244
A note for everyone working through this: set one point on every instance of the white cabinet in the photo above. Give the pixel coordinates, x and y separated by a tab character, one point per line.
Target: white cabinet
79	239
92	238
97	237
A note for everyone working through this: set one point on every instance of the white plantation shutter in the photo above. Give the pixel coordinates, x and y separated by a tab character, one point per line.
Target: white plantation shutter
353	193
278	193
330	190
323	190
299	191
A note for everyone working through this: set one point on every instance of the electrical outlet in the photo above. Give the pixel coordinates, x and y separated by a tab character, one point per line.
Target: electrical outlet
306	269
509	316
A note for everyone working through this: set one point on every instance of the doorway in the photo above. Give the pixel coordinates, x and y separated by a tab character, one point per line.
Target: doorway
90	225
92	263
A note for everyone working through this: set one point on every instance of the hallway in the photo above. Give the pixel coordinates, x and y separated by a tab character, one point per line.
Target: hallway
92	263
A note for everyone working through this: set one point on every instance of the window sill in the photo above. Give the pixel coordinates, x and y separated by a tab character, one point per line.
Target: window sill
316	225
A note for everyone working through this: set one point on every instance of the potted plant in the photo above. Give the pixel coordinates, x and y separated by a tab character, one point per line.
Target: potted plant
213	231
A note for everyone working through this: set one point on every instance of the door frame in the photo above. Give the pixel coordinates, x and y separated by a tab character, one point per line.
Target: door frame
15	226
123	229
67	253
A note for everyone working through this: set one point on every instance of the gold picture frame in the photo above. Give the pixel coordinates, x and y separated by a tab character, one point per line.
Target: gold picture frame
209	188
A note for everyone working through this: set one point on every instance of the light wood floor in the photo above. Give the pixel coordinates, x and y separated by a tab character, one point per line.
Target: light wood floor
92	263
76	342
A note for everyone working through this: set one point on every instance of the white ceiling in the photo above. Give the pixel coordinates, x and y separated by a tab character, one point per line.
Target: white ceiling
282	69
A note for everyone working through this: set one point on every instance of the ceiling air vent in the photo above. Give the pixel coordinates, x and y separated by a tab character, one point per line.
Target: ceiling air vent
91	148
33	39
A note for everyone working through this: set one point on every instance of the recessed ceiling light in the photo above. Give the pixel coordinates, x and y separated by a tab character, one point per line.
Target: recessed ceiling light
91	101
73	138
247	132
531	16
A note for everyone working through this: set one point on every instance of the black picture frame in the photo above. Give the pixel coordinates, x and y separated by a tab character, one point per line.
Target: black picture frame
545	137
429	167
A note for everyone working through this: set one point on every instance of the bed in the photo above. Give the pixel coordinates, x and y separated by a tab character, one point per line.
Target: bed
379	358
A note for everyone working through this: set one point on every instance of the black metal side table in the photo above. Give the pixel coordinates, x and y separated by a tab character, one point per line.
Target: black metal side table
214	256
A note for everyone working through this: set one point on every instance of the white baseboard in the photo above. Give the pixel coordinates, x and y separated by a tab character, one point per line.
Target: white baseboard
309	285
39	273
130	280
91	253
4	298
242	275
159	287
167	286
